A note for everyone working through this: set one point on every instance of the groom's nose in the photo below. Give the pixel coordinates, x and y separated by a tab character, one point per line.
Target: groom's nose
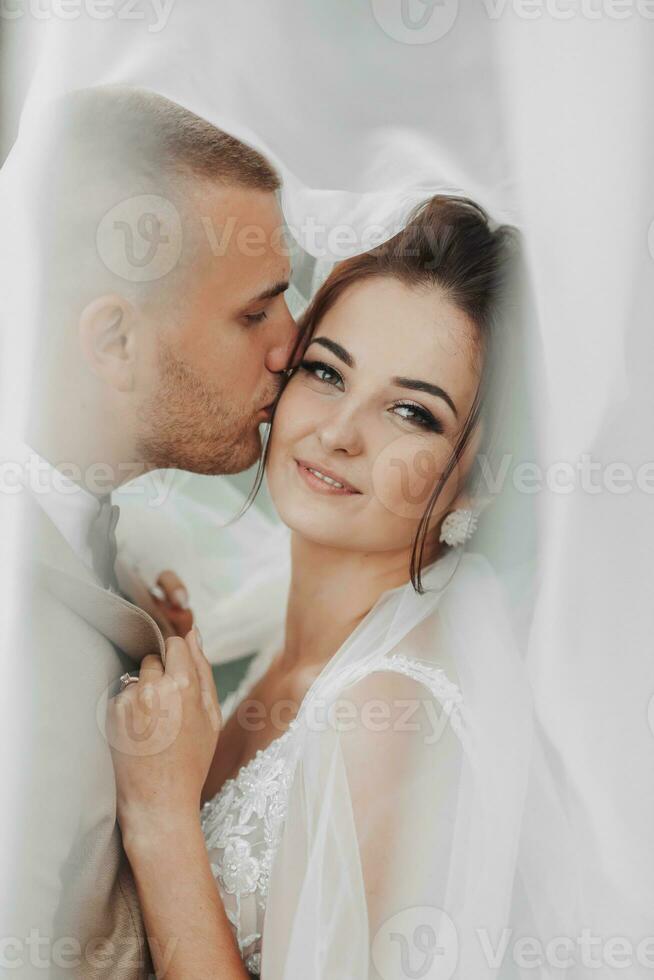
280	352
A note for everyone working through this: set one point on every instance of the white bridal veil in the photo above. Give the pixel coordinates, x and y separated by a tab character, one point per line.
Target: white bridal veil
412	750
539	112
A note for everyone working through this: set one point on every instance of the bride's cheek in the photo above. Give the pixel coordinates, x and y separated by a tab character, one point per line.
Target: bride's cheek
294	420
404	475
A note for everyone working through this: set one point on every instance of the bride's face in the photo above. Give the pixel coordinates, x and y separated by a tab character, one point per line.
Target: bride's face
370	420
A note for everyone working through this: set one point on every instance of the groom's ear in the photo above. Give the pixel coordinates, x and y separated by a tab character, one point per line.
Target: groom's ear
108	340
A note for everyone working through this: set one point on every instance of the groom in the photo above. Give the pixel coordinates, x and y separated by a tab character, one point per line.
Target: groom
164	332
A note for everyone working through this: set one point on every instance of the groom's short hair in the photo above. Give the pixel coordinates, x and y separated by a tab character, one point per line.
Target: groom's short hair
104	145
150	131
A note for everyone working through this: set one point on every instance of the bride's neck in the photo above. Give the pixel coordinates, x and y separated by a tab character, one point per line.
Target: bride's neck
331	592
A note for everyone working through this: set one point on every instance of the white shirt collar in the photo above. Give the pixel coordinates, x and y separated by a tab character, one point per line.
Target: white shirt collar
70	507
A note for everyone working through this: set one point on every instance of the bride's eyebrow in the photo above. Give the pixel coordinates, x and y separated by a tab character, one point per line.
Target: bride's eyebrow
336	349
430	389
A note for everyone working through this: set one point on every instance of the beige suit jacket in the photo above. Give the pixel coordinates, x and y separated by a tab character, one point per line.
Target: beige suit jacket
74	911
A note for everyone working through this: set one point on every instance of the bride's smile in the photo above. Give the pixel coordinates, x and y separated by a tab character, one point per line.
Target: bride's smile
323	480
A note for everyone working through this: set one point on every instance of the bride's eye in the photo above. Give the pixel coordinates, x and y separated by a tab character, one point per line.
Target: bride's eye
418	415
322	372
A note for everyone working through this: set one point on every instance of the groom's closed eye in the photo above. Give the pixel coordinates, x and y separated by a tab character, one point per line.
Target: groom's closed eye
255	317
257	309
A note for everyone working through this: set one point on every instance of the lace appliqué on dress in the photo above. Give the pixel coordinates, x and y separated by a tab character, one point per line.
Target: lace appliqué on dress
445	691
242	826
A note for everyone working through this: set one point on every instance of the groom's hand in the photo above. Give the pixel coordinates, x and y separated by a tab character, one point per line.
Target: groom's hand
172	603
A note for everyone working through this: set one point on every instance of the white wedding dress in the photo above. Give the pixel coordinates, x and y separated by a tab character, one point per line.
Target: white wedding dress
243	823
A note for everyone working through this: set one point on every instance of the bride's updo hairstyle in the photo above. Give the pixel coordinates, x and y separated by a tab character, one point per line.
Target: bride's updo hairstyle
448	244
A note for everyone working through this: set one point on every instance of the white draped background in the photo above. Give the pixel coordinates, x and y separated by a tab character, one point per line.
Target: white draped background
539	111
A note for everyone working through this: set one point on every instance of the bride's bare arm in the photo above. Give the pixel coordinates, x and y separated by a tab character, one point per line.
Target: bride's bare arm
185	921
163	733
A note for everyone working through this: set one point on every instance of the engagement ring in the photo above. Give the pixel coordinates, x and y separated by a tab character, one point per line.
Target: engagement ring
126	680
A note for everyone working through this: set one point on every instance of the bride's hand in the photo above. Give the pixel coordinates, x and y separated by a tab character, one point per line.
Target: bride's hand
172	603
163	733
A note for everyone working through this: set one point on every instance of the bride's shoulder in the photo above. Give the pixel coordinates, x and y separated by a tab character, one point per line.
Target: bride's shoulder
397	721
411	679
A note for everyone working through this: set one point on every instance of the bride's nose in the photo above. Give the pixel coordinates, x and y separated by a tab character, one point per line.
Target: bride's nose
341	432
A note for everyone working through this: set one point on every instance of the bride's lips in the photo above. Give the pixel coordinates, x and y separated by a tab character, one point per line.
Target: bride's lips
320	486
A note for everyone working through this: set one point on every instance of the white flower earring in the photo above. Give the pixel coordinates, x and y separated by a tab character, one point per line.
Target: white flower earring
459	526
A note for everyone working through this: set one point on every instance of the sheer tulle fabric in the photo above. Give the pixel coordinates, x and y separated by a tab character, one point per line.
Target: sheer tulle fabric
412	756
400	845
359	138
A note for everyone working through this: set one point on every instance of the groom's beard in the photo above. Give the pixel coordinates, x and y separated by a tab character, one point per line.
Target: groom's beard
191	426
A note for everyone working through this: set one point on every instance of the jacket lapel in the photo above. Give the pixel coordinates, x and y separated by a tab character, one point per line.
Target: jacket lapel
67	578
123	624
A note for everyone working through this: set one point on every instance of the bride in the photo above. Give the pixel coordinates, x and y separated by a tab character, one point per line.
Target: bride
354	809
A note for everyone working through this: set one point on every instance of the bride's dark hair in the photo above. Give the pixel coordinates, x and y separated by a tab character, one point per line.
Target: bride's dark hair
448	243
